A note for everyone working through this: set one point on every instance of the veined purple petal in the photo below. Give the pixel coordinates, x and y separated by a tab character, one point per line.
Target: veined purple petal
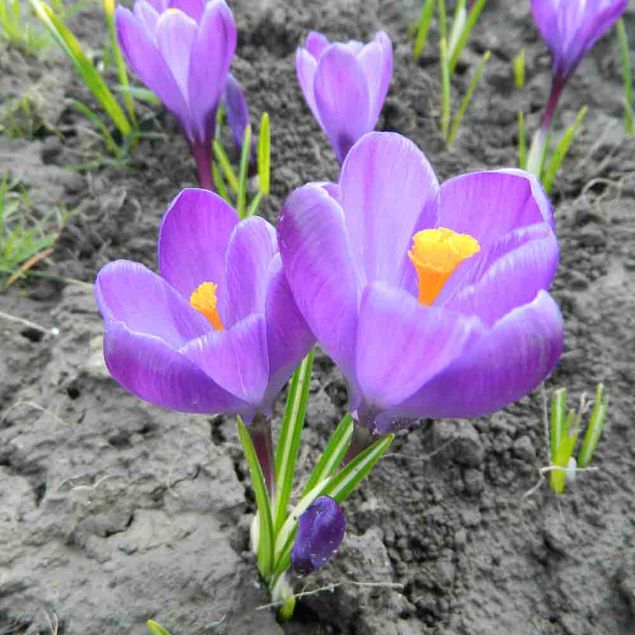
175	35
322	273
306	67
402	344
237	110
289	338
193	239
148	16
150	369
342	99
212	51
251	248
193	8
376	60
321	530
236	359
382	214
129	293
143	57
158	5
504	364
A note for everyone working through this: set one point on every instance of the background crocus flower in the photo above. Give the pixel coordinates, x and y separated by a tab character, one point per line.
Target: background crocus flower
237	112
217	330
345	85
432	300
320	532
182	50
571	28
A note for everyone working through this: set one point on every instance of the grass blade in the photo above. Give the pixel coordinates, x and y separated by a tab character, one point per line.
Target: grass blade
289	438
264	155
558	478
156	629
627	75
518	65
458	24
225	165
219	183
423	28
522	141
597	422
253	205
445	89
243	169
558	417
470	23
94	118
265	540
465	102
443	21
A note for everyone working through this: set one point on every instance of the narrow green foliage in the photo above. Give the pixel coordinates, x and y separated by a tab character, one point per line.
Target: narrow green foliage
445	89
522	141
423	27
561	150
243	172
288	443
253	205
219	183
627	75
558	418
85	68
107	138
156	629
472	18
518	65
333	454
465	102
225	165
443	21
563	453
139	93
265	519
264	155
16	29
458	24
595	427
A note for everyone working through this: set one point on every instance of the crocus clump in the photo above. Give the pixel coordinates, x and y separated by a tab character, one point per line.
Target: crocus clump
217	330
320	532
431	299
571	28
345	85
182	50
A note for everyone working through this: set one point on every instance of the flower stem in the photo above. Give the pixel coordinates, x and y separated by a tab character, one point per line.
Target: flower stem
557	86
361	439
260	433
202	153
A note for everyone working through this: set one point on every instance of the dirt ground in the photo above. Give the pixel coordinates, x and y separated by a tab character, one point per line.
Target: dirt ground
113	511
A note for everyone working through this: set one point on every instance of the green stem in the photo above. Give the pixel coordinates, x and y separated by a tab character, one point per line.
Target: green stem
260	433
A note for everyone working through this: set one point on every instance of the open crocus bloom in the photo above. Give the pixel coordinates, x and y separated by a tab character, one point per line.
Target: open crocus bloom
571	28
218	330
182	50
345	85
432	300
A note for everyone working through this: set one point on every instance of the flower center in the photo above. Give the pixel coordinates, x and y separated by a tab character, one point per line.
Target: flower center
436	253
203	299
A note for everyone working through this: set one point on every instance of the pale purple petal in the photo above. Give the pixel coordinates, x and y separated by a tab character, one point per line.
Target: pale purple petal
130	293
383	213
212	51
251	248
341	97
316	43
376	60
319	265
193	238
150	369
193	8
237	111
148	16
236	359
402	344
501	366
158	5
306	67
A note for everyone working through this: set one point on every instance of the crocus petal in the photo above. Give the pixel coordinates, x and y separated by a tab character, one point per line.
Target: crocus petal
150	369
321	530
193	8
488	205
175	36
341	96
401	344
236	359
505	363
381	216
316	43
252	245
236	109
510	275
193	239
130	293
212	51
306	67
158	5
148	16
319	265
289	338
145	60
376	60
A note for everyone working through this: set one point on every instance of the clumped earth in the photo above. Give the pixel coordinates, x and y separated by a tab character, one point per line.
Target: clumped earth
113	511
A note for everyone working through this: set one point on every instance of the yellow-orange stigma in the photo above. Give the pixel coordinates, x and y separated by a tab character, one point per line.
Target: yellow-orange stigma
203	299
436	253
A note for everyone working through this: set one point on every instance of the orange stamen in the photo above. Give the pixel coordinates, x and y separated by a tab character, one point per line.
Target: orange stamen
203	299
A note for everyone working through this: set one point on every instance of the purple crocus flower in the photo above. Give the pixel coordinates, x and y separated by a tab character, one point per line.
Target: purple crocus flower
571	28
345	85
217	330
237	111
320	532
182	50
432	300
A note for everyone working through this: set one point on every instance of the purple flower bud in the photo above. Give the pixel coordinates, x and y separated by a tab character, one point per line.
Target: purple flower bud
237	111
320	532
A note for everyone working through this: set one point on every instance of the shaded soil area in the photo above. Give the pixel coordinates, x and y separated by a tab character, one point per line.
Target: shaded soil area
113	511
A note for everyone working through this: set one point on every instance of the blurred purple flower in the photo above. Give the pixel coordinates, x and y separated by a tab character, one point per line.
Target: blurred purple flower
571	28
217	330
237	114
345	85
459	326
182	50
320	532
